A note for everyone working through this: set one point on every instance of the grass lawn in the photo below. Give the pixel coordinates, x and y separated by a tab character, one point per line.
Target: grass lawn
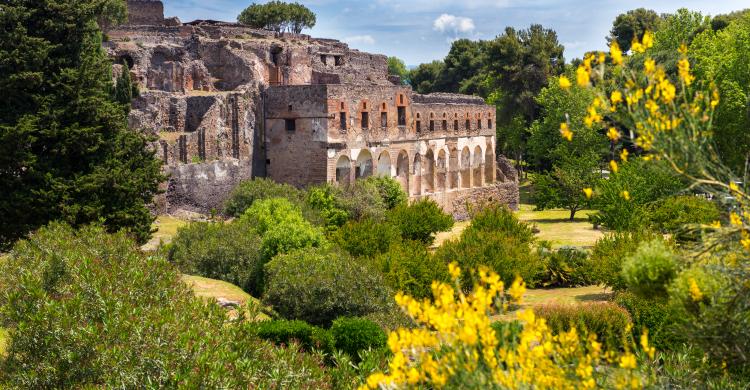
555	226
215	289
569	296
166	228
452	234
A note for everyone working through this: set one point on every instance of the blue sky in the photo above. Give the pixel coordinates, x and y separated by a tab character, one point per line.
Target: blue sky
420	31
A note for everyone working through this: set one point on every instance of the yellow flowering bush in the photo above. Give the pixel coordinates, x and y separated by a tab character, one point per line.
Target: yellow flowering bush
455	346
669	118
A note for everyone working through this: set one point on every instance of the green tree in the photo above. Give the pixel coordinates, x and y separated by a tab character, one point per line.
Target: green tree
519	64
396	67
463	70
632	24
563	186
424	77
65	150
278	16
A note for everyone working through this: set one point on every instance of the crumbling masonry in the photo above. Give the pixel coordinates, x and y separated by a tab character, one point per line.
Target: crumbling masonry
229	103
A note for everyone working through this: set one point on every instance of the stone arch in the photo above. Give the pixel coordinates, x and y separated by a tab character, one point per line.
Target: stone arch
428	172
364	166
477	166
489	164
453	168
343	170
402	170
417	174
384	164
465	168
441	171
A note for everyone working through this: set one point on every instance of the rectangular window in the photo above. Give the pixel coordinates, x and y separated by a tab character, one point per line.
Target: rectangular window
455	125
468	125
419	127
479	124
432	126
402	116
342	117
290	124
445	125
489	123
365	120
338	61
384	119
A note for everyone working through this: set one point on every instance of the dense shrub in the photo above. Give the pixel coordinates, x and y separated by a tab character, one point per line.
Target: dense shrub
390	190
318	285
352	335
645	182
285	332
610	251
506	255
282	227
228	252
653	314
607	320
650	269
672	214
566	267
366	237
409	267
324	199
498	218
88	310
248	192
363	200
420	220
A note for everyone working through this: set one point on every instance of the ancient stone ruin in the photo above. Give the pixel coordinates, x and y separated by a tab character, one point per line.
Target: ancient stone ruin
228	103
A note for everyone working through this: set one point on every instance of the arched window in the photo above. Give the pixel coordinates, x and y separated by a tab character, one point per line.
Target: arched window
364	164
343	170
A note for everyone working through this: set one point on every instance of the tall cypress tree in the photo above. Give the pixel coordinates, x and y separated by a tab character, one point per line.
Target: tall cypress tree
65	150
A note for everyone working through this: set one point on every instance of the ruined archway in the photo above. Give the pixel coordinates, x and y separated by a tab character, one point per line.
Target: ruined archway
466	168
343	170
489	164
384	164
477	167
402	170
364	164
453	169
417	175
428	173
440	176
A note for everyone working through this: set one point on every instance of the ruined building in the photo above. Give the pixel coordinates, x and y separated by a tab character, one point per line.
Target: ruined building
228	102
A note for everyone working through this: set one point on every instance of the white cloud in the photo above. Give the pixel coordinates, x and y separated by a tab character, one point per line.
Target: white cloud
363	39
455	24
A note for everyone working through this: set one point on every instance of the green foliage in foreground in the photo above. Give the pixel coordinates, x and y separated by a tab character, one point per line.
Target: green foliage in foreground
567	267
86	309
650	269
608	321
409	267
420	220
65	150
610	252
353	335
248	192
286	332
319	285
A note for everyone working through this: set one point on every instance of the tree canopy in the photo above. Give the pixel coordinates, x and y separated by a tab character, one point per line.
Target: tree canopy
65	150
278	16
633	24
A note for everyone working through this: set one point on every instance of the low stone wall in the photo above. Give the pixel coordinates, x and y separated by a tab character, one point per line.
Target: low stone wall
461	203
203	187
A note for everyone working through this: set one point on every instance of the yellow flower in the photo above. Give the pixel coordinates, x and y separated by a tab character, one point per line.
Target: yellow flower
565	132
683	49
648	39
613	166
564	82
625	195
454	270
616	97
734	187
624	155
650	66
683	66
627	361
582	76
636	46
650	351
715	98
695	292
615	53
588	192
716	224
667	90
412	377
613	134
517	290
735	219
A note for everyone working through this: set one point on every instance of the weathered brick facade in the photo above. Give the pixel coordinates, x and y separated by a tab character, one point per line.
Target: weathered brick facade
229	102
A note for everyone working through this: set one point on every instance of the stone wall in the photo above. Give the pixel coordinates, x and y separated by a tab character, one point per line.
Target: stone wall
145	12
204	187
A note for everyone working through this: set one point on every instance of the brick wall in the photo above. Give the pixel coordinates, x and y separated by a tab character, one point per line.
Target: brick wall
145	12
